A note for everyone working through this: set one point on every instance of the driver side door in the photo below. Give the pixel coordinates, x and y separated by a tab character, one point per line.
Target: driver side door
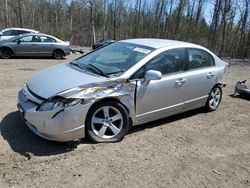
28	46
160	98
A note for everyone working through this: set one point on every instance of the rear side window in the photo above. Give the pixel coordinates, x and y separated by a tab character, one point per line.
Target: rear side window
9	33
19	32
199	58
47	39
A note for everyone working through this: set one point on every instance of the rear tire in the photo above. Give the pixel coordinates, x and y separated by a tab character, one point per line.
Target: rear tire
107	122
214	99
6	53
58	54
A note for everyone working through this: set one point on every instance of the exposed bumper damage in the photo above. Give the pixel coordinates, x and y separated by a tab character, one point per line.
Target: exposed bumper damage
68	123
242	89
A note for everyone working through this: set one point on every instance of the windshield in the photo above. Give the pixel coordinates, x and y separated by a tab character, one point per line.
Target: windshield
114	59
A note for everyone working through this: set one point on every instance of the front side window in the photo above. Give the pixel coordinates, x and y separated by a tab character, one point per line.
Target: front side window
29	39
26	39
199	58
114	59
168	62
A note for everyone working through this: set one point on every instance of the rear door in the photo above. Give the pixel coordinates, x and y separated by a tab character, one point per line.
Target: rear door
47	46
199	78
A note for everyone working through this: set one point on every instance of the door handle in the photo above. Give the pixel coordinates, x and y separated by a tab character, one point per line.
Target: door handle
51	45
180	81
34	44
210	75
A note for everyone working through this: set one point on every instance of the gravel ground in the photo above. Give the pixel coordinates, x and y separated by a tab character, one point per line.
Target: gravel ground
194	149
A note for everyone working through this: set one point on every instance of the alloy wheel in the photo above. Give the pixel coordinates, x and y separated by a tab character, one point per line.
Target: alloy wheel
215	98
107	122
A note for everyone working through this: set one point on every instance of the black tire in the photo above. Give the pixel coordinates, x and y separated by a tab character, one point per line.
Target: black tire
6	53
213	96
92	132
58	54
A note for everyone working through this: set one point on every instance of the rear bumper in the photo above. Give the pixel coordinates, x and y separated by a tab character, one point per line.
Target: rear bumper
58	125
67	52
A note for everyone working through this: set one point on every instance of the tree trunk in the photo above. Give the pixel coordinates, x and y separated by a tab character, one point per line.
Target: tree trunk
6	14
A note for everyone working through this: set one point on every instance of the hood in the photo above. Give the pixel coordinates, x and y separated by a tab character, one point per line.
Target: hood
54	80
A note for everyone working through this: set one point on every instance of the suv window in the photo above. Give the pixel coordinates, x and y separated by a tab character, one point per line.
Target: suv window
199	58
19	32
9	33
167	62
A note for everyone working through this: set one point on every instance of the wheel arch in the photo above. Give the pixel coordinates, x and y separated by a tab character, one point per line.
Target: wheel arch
59	50
13	53
219	84
110	99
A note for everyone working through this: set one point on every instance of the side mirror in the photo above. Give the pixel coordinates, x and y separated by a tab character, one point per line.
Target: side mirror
18	41
152	75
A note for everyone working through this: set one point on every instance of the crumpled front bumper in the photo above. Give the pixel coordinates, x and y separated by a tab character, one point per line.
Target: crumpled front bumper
58	125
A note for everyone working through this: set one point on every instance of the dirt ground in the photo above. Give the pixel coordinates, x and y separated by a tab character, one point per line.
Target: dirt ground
194	149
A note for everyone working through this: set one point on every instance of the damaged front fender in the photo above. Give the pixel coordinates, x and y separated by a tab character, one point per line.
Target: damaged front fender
121	90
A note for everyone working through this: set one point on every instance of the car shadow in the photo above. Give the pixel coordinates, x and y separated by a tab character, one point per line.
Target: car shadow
167	120
25	142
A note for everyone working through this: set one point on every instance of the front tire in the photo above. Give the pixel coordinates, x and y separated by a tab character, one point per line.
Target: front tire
214	99
107	122
6	53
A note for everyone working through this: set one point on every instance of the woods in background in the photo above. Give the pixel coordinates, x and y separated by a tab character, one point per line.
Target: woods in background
225	29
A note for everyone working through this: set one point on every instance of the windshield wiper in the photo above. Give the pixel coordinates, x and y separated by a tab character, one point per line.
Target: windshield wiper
76	64
109	73
97	70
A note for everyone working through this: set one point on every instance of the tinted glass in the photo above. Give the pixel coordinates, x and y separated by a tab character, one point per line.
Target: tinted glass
19	32
8	33
199	58
167	62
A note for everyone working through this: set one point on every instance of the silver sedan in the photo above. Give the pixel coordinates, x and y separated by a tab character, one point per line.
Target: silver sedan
34	45
131	82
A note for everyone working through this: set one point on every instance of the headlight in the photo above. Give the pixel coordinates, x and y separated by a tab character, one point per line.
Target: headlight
58	104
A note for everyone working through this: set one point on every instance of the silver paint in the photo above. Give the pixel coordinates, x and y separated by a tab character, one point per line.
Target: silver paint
155	99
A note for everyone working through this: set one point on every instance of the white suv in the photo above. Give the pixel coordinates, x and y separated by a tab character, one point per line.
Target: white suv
11	32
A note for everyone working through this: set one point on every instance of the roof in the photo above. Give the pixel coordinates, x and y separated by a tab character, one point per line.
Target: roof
155	43
32	34
16	28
